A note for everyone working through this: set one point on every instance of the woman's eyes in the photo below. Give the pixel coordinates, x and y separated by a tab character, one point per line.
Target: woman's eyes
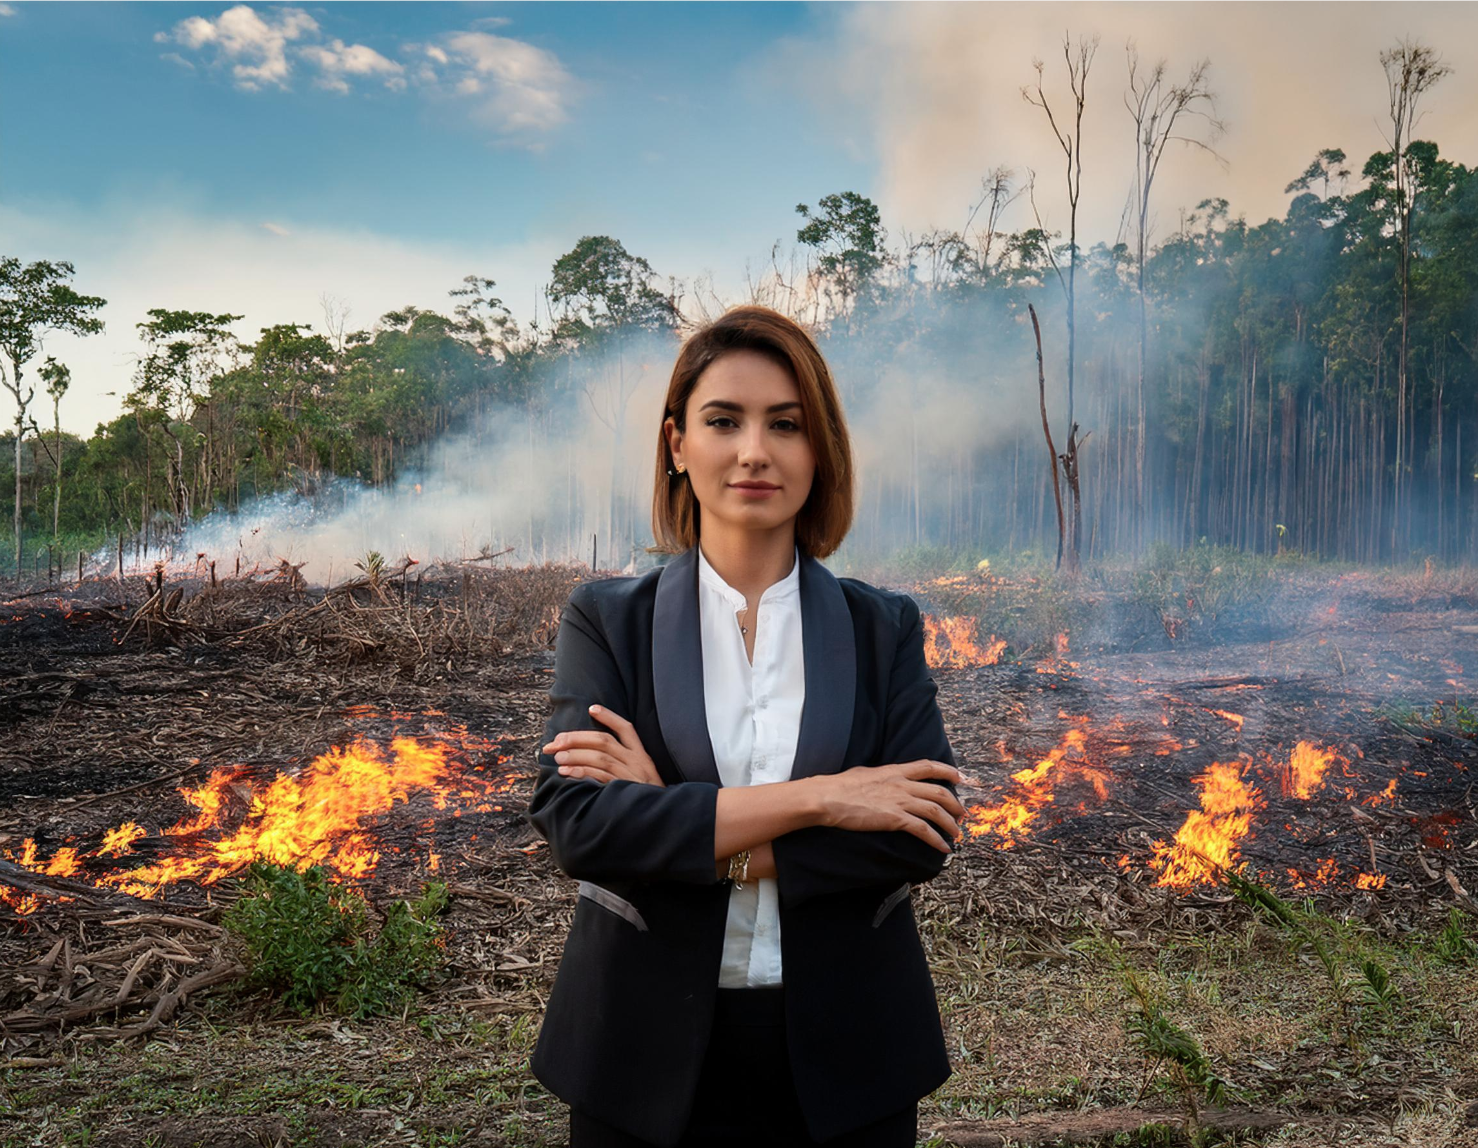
790	424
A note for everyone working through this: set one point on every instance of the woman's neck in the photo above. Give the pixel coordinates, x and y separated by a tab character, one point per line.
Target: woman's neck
750	562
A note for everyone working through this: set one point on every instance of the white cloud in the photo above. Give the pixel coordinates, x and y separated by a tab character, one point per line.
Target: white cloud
255	47
337	60
6	10
519	88
515	88
177	255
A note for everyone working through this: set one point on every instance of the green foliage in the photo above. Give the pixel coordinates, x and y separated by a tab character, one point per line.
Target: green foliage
1165	1043
1337	948
847	230
1197	586
1455	945
307	941
1376	986
601	287
1267	383
1453	717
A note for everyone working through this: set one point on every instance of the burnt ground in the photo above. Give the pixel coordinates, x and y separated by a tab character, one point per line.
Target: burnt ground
110	708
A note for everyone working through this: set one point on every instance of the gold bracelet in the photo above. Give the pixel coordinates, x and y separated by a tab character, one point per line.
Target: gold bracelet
739	868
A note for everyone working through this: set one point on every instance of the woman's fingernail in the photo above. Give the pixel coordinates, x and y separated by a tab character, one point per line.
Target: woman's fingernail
595	709
560	756
564	769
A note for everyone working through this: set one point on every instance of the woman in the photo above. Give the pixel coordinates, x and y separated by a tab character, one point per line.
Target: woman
746	770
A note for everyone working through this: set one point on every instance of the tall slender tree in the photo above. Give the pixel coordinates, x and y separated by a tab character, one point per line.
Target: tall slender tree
1070	139
1156	107
35	299
57	377
1411	69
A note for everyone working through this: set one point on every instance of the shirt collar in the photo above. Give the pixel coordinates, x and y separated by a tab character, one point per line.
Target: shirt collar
788	585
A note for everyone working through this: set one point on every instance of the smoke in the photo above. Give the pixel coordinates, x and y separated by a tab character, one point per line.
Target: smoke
577	472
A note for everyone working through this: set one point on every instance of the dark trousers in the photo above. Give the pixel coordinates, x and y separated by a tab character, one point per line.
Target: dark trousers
745	1094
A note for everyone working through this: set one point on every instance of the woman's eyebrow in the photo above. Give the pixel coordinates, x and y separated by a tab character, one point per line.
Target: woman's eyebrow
724	404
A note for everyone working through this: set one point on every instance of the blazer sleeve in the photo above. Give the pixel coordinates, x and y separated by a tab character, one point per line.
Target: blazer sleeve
825	859
615	829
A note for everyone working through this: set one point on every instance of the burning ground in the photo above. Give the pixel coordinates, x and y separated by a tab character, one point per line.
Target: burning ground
1127	743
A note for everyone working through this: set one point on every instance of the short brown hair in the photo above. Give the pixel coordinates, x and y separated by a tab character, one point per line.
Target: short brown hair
827	514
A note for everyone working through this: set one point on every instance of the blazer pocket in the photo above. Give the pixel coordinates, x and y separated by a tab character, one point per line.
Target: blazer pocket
889	902
616	904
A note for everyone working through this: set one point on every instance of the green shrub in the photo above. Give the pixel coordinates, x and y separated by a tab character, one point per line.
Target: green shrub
1453	945
1196	587
307	941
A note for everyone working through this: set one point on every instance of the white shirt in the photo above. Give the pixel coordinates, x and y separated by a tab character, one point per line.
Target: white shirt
754	721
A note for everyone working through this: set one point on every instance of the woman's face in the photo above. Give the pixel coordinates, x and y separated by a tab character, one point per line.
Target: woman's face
745	425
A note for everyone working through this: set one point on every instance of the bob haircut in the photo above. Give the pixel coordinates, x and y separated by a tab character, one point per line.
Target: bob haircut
826	516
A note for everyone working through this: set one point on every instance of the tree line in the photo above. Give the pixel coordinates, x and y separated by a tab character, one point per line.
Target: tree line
1306	384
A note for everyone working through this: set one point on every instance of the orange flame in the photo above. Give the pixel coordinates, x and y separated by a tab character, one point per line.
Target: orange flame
1211	833
324	815
1011	818
951	641
1304	775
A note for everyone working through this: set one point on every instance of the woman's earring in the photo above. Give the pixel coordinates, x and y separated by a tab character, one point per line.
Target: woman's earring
679	470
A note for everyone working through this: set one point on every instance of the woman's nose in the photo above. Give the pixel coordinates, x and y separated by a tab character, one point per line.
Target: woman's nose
752	447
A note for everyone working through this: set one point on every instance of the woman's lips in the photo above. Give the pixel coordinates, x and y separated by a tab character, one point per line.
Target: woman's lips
757	491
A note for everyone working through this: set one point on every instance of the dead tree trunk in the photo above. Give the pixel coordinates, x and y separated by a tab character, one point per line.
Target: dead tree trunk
1047	431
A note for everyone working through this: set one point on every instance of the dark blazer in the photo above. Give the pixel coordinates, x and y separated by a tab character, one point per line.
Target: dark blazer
628	1020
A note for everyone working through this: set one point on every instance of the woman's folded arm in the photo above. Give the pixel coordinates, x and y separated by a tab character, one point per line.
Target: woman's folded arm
823	859
612	829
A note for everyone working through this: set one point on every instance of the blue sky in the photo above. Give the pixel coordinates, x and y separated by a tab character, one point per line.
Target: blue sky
636	118
260	158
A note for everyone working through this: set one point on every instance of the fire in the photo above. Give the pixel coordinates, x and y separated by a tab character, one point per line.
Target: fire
1236	719
1056	662
1387	794
1326	873
1011	819
951	641
324	815
1208	838
22	903
1304	775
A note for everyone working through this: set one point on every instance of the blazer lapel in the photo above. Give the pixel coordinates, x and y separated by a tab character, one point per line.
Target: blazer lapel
677	671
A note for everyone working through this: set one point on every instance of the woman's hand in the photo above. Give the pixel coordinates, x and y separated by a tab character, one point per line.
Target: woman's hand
604	756
869	797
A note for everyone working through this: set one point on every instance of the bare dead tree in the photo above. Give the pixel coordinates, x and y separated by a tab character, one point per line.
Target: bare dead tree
1157	107
1411	69
995	192
335	319
1051	449
1070	139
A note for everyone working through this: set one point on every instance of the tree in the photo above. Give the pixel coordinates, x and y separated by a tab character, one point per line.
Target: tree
1411	69
848	232
184	351
1327	165
34	300
605	293
1070	139
483	319
599	285
1155	109
57	378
